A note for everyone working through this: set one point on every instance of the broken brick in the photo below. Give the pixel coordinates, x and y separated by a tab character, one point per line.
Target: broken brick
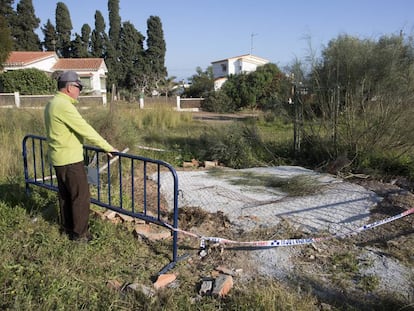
151	232
225	270
114	284
222	285
164	279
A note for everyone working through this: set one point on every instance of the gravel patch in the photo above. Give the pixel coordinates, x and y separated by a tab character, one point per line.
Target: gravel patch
339	207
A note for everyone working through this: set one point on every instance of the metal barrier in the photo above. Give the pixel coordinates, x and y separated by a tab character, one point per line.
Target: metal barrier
114	183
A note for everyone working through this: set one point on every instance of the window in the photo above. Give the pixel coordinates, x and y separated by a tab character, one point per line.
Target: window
86	82
103	82
223	67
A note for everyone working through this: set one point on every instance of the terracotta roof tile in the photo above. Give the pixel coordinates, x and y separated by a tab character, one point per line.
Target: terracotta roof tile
22	58
78	64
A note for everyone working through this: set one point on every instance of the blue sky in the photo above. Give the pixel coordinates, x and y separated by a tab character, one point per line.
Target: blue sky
200	32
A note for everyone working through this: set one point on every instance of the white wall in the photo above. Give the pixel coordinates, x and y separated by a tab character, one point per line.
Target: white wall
43	65
237	65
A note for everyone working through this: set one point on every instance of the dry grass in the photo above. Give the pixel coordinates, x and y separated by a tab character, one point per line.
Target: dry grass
43	270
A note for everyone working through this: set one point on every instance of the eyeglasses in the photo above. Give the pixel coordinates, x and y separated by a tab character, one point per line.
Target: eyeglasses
80	87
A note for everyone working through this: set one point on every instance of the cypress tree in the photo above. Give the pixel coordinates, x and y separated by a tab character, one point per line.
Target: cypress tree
6	11
112	53
131	47
99	38
63	30
114	22
156	48
76	50
80	45
112	62
6	42
25	23
50	36
85	38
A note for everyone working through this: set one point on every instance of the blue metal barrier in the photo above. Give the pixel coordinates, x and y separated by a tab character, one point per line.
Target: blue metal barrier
114	183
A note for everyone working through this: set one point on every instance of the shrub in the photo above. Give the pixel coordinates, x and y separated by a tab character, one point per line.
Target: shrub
234	146
387	164
218	102
27	82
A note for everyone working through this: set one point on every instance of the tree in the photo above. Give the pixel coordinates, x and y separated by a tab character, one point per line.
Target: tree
86	38
112	51
239	89
258	89
6	42
8	14
267	85
202	83
131	48
80	45
263	89
114	22
218	101
25	23
50	36
112	62
156	48
168	86
364	91
99	38
6	9
63	30
77	49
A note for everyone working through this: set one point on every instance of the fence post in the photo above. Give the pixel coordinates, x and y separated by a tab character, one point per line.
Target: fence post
17	99
141	100
178	103
104	100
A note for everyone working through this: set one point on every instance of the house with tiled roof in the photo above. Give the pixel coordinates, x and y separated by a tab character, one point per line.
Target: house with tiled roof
235	65
92	71
43	61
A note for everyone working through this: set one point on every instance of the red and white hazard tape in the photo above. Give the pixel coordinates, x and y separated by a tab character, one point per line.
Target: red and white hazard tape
290	242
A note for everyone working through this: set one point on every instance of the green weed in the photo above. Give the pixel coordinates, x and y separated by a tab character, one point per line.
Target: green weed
299	185
40	269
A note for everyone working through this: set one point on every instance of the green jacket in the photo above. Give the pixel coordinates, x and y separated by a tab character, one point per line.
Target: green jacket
66	131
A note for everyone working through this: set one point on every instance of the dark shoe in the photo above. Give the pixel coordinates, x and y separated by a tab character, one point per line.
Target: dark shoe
67	232
82	239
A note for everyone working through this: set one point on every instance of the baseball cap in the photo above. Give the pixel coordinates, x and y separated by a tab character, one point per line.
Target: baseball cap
70	76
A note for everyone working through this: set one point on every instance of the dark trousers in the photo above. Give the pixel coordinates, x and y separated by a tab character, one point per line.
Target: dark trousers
74	199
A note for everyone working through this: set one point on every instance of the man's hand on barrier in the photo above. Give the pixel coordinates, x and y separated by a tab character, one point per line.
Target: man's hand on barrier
110	153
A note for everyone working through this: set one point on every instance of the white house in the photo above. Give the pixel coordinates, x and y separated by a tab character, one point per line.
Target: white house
43	61
91	71
235	65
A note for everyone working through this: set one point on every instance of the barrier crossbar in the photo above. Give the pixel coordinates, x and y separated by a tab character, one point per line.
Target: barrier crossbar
127	184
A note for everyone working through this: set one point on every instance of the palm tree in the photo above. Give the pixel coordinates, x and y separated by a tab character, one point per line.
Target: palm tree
168	86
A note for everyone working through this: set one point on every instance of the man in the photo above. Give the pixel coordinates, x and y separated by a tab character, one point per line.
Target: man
66	130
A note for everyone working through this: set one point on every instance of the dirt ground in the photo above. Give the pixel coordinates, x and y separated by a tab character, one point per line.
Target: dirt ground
373	270
221	117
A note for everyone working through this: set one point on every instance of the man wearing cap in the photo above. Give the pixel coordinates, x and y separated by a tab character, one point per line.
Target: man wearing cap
66	130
